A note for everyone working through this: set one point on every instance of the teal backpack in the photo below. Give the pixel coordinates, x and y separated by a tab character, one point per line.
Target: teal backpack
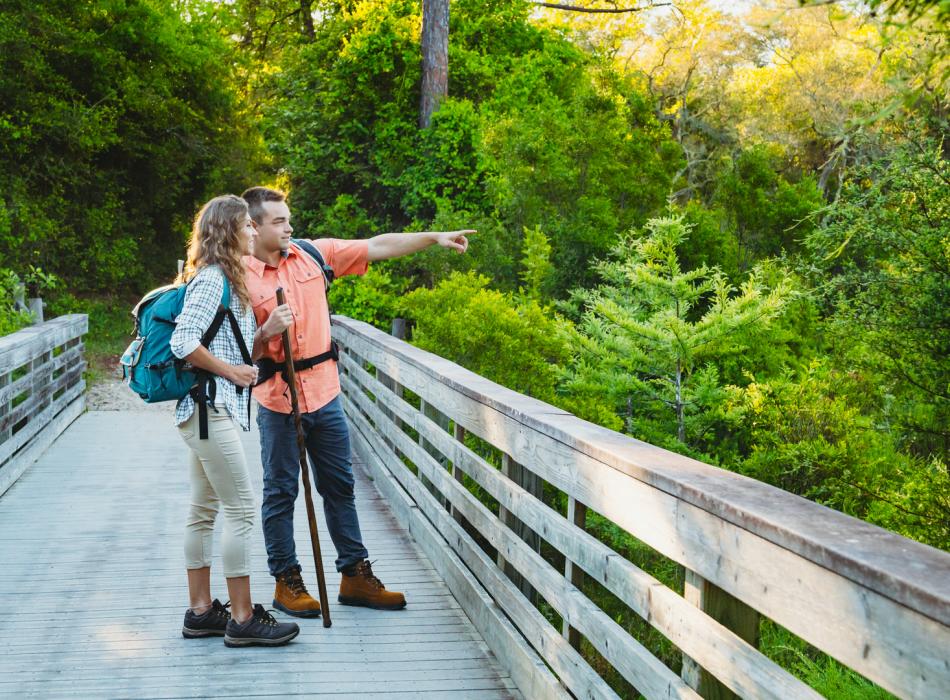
151	369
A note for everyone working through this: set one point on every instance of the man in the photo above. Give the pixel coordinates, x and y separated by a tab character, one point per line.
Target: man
278	263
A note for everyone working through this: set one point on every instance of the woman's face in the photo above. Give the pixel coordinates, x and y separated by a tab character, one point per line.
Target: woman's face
248	233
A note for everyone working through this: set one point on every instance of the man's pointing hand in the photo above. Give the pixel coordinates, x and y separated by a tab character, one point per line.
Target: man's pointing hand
456	240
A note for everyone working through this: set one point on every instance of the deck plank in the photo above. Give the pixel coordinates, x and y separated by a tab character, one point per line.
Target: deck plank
93	577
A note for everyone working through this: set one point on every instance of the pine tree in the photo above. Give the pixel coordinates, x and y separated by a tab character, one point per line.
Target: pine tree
650	334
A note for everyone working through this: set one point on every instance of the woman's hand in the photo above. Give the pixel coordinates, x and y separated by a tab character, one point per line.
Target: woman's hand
243	375
278	321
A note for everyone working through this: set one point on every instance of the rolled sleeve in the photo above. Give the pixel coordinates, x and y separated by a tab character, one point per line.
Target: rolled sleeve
202	299
344	256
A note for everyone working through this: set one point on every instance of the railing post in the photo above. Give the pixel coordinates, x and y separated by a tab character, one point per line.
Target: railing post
532	484
440	419
5	409
35	305
576	514
42	370
399	328
389	383
398	331
459	434
730	612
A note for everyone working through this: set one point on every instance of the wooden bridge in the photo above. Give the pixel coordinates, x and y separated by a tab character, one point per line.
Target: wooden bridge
485	506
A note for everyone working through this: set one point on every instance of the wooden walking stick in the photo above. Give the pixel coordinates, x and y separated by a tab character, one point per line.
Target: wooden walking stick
305	470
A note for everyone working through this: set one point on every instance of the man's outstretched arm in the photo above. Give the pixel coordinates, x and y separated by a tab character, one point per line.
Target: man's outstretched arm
395	245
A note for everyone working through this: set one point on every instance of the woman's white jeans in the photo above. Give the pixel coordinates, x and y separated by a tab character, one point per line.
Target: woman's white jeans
219	479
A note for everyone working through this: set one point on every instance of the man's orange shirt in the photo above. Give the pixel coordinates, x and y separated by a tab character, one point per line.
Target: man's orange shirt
305	290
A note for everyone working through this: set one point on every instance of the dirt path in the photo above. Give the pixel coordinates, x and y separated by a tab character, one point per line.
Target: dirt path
112	394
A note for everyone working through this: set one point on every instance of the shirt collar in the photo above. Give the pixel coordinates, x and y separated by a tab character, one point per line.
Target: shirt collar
258	266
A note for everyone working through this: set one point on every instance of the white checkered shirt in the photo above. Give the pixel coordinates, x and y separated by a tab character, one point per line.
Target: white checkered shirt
202	300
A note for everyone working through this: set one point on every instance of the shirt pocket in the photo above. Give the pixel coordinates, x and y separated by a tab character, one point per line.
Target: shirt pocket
309	279
264	302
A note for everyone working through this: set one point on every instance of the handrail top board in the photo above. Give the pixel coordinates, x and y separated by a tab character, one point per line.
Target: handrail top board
908	572
18	347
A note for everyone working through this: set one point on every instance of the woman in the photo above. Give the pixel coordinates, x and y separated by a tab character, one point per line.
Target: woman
221	235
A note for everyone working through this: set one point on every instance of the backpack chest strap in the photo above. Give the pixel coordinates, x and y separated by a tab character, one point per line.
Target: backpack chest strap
267	367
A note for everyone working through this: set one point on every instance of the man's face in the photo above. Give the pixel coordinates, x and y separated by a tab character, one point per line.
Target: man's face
274	230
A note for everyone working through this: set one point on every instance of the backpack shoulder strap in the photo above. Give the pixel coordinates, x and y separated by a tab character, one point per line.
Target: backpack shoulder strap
226	295
314	253
223	310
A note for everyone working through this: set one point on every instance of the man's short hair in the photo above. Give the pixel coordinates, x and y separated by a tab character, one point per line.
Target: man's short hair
255	198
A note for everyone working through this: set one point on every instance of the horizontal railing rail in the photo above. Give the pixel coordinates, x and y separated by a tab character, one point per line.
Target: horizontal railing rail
41	390
877	602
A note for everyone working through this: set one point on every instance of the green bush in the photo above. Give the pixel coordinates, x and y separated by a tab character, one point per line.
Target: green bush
372	298
12	318
511	341
810	433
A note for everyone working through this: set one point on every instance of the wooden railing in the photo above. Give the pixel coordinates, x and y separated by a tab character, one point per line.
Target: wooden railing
41	390
877	602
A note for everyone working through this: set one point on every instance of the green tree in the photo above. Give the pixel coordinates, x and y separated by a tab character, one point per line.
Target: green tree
882	264
651	335
111	134
534	132
583	157
536	263
768	213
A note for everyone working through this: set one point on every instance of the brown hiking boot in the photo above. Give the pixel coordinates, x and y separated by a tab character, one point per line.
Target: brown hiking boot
360	587
291	597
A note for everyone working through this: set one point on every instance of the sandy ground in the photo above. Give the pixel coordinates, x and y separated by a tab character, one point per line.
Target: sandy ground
112	394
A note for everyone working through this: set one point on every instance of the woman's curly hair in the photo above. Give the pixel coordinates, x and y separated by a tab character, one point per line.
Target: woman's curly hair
216	239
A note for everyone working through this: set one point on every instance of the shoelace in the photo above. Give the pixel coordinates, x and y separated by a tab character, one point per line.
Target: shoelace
221	611
263	616
366	569
295	583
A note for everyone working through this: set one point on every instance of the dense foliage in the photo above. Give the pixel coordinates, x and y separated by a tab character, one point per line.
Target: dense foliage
117	117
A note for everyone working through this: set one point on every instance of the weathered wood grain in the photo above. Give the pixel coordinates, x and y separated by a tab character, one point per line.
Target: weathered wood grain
37	406
564	660
16	349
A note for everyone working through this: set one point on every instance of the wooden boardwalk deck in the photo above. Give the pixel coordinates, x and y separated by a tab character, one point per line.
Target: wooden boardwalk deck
93	589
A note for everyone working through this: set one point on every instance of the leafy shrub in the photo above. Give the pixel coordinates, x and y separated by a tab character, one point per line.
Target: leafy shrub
372	298
513	342
12	317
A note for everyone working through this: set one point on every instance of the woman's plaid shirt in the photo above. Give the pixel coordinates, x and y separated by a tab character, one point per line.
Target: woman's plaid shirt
202	300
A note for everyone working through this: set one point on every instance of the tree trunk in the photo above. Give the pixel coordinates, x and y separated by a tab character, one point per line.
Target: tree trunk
435	58
306	18
250	9
680	424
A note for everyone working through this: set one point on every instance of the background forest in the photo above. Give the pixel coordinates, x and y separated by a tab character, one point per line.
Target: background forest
718	227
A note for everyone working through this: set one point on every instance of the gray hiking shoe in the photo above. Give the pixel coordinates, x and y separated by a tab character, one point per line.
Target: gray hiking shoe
210	623
260	630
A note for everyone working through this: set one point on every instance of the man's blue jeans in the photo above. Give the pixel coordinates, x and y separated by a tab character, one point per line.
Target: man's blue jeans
328	444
